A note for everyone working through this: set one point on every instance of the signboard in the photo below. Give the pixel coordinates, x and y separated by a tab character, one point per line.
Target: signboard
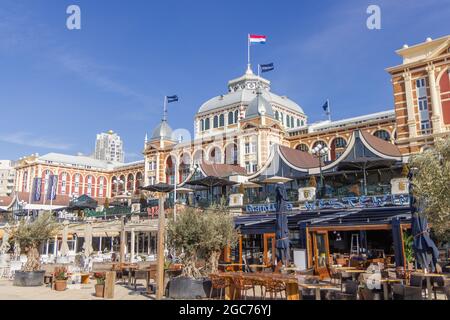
269	207
359	202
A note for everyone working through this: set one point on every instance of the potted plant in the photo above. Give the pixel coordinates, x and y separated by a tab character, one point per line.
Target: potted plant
197	235
60	278
409	251
100	285
28	236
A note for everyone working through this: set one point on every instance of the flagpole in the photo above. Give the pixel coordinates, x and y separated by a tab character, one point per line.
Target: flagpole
165	109
329	110
248	52
259	68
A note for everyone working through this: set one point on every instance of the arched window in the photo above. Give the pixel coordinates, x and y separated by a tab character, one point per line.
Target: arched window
277	115
282	117
230	118
302	123
207	125
202	125
298	122
216	122
292	122
382	134
337	147
221	120
215	156
302	147
288	121
236	116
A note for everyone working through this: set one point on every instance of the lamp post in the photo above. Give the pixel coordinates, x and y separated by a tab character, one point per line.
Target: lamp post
194	171
320	152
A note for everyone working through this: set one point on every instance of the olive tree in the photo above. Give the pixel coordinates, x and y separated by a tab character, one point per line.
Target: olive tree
30	234
431	181
198	234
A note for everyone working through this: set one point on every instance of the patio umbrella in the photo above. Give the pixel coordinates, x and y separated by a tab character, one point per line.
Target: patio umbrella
64	245
281	230
249	185
276	179
184	190
424	248
211	182
87	246
161	188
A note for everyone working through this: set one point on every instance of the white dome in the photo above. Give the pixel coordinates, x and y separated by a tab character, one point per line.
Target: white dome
243	90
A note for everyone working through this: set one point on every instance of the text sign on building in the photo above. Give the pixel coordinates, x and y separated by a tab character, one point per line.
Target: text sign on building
359	202
270	207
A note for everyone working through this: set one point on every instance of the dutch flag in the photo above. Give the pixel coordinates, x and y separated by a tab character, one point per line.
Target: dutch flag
253	38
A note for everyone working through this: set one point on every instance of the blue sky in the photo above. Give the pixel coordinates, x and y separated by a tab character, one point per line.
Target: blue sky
58	88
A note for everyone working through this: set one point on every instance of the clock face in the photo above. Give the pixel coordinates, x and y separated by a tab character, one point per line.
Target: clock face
251	85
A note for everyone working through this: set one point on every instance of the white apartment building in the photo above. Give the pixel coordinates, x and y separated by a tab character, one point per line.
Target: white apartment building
109	147
7	177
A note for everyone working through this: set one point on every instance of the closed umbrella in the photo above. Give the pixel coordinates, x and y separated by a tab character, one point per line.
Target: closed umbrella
87	246
424	248
281	230
276	179
64	246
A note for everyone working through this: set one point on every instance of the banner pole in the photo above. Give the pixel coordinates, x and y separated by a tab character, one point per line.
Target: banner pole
248	52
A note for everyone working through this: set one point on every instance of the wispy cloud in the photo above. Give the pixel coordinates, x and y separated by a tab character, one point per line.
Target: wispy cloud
28	139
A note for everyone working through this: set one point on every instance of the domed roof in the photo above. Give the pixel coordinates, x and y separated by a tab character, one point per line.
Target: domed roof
259	106
162	131
243	90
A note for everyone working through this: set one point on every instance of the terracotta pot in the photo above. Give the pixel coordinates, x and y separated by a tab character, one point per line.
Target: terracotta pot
60	285
99	290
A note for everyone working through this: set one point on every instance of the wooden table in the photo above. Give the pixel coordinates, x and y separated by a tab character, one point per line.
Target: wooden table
291	283
354	272
385	283
231	265
316	287
428	276
261	267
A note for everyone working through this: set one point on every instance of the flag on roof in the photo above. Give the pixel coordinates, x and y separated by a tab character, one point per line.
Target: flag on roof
254	38
266	67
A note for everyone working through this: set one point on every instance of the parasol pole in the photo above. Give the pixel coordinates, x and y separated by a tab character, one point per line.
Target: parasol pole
160	249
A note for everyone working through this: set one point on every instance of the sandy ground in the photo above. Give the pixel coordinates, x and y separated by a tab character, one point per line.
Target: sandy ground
73	292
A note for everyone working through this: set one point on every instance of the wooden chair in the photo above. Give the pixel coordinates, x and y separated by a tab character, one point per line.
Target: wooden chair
334	275
151	275
350	291
402	292
344	276
273	287
218	283
243	285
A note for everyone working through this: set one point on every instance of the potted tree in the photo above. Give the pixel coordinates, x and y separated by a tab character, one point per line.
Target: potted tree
100	285
29	235
61	278
198	235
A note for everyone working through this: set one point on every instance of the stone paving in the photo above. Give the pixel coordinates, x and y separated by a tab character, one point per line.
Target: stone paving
73	292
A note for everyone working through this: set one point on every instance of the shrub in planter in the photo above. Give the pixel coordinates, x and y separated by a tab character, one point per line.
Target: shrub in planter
61	278
29	235
198	235
100	285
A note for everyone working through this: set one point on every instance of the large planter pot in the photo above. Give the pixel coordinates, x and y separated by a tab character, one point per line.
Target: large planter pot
99	290
60	285
187	288
29	278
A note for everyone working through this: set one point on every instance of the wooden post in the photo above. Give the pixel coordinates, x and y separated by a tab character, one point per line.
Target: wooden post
133	240
110	282
123	239
160	250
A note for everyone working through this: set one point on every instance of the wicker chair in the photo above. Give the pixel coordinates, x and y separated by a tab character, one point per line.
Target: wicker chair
402	292
243	285
218	283
273	287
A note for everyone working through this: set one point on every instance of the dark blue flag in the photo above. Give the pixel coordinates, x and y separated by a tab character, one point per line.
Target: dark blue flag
266	67
326	107
37	189
172	98
51	188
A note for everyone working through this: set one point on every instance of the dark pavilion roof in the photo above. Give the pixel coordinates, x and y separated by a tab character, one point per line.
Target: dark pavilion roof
362	148
264	223
222	170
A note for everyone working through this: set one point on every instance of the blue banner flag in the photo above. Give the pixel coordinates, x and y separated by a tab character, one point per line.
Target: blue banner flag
172	98
52	186
37	189
266	67
326	107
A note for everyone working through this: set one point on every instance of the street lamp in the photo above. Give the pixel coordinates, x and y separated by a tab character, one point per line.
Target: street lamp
320	152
